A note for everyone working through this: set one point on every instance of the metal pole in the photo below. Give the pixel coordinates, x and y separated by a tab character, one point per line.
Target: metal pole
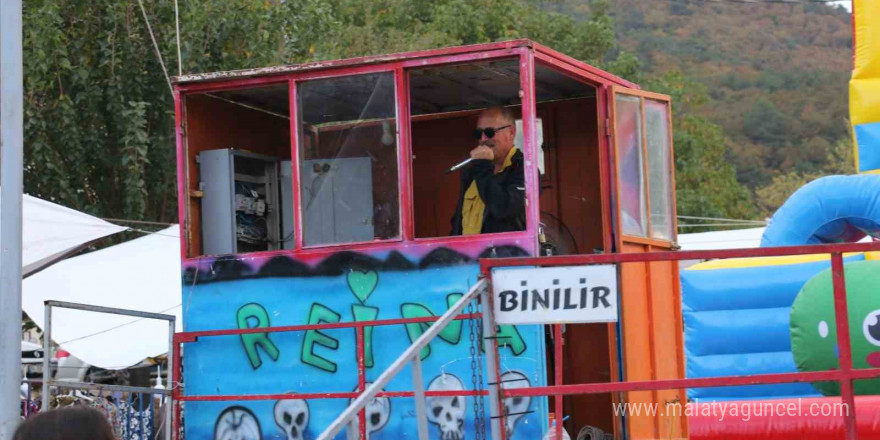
11	139
47	356
177	33
491	351
419	394
169	383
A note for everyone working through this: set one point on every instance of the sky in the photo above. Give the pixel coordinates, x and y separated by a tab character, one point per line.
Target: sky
846	4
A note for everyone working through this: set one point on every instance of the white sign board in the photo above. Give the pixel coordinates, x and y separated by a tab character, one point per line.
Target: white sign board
555	295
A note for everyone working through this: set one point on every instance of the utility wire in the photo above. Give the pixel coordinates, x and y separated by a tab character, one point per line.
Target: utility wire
712	225
177	26
690	217
156	46
116	326
136	222
151	232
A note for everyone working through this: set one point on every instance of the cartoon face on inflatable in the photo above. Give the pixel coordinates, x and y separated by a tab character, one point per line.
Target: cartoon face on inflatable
814	332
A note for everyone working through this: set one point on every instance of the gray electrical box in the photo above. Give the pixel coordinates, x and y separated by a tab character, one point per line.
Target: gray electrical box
240	209
285	170
337	200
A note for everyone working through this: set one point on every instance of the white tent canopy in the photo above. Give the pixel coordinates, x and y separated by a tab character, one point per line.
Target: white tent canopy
51	232
732	239
141	274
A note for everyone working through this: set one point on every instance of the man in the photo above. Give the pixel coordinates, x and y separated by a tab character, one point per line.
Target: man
492	197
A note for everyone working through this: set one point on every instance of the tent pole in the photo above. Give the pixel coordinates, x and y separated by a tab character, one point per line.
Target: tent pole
11	182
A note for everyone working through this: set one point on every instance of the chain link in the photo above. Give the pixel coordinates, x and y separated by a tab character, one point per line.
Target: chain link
475	335
481	416
474	367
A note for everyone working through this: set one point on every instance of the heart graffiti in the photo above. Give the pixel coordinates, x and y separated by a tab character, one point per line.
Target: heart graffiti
362	284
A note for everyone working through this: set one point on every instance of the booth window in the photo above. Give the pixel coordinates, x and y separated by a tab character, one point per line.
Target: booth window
445	103
659	173
348	159
630	165
237	145
644	149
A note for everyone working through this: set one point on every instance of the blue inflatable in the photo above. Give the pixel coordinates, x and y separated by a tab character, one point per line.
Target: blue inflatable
736	322
833	209
736	316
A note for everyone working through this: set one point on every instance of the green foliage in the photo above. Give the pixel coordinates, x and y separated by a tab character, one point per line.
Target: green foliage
99	115
99	120
764	123
839	158
789	62
706	184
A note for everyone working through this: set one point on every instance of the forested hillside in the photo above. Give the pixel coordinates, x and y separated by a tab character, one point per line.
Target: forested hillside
760	91
775	78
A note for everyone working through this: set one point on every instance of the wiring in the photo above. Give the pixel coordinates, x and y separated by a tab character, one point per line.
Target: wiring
156	46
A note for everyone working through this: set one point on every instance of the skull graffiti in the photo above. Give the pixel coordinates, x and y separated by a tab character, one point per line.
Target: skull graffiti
237	423
377	412
292	416
514	407
447	412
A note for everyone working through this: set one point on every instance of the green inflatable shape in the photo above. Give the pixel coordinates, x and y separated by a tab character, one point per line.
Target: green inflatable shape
813	331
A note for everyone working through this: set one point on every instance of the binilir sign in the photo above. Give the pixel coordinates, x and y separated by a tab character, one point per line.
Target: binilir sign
554	295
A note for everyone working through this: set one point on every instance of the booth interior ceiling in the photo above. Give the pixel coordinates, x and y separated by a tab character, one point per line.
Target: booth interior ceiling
864	88
832	209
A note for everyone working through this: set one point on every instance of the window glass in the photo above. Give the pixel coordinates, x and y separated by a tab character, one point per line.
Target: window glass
348	159
628	121
659	175
448	103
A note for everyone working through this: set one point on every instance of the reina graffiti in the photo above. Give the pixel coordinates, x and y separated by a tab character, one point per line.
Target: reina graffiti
362	285
259	293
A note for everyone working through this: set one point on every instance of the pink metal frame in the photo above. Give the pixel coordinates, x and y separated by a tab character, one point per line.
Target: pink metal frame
845	375
178	396
528	53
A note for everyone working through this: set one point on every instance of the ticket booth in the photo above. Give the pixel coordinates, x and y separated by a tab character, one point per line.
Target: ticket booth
321	193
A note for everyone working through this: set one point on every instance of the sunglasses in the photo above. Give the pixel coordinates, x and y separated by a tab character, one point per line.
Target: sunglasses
490	132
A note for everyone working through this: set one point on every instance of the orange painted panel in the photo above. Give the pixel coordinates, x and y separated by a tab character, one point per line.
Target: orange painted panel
668	355
653	344
635	312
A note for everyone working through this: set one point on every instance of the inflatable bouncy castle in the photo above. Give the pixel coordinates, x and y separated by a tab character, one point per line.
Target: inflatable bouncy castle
775	315
864	88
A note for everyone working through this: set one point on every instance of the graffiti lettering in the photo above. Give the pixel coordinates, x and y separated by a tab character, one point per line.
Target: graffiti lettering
365	313
451	334
256	314
508	336
319	314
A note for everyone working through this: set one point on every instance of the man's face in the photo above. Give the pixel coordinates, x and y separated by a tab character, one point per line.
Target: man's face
502	142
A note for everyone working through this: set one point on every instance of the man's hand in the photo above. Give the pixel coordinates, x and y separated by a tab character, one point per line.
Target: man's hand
482	152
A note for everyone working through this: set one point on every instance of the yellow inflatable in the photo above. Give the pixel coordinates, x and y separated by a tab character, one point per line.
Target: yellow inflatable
864	87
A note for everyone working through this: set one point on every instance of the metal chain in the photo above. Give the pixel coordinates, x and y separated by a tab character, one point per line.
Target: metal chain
474	367
481	413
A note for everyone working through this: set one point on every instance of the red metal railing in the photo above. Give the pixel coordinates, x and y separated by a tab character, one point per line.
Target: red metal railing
844	375
193	337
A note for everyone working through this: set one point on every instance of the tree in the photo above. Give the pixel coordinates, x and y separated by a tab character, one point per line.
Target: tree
98	111
706	184
765	123
839	161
